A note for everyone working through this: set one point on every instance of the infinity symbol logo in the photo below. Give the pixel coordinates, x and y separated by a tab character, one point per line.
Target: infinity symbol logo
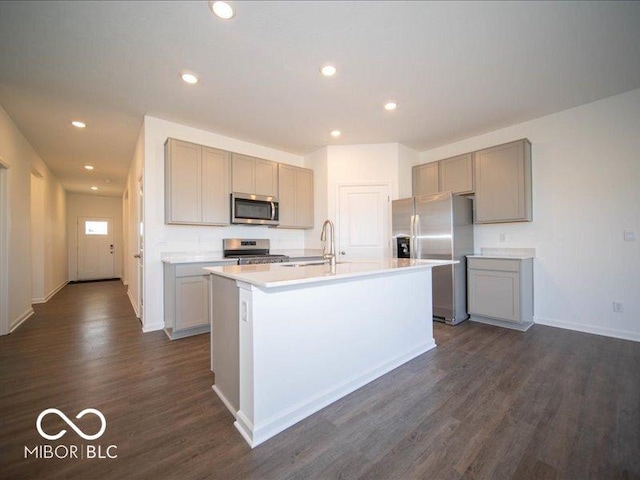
71	424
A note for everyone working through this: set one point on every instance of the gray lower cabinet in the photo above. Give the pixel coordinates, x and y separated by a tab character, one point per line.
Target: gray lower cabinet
186	299
500	291
503	183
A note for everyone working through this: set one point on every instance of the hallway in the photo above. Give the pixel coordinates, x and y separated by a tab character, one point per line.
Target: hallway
487	403
85	349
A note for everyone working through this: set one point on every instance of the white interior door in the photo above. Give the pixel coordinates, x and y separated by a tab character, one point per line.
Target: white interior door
37	238
363	222
96	248
4	248
140	254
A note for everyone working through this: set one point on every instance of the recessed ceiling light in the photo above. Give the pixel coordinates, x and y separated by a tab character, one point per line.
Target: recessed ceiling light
189	78
94	188
78	124
222	10
88	167
328	70
336	133
390	106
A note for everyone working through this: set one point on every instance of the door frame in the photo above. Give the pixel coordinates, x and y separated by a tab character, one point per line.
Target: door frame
37	200
339	186
140	247
4	247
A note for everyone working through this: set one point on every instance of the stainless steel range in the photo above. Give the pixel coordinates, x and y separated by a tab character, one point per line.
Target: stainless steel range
250	251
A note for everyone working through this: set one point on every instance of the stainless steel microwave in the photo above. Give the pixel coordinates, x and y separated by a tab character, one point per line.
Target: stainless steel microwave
252	209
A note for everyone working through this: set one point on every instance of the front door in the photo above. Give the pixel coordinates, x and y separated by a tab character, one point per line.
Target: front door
96	248
363	222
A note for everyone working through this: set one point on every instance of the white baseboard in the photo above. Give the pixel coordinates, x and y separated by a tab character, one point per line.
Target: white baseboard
579	327
521	327
225	400
134	304
256	434
152	327
55	290
21	319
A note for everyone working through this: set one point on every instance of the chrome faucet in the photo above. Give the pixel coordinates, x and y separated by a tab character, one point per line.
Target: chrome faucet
331	254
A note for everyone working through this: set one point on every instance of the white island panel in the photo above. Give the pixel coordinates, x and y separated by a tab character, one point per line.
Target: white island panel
305	346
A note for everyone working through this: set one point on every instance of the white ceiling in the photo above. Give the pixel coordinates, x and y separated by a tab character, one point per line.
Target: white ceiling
455	69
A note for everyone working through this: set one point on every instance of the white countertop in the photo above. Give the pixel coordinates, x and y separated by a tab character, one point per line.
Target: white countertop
298	253
502	257
195	257
275	275
505	253
202	257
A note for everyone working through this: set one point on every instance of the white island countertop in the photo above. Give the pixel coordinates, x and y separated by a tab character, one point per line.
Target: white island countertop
276	275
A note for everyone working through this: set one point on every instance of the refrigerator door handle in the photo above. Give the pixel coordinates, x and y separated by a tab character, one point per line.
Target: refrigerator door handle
416	240
412	235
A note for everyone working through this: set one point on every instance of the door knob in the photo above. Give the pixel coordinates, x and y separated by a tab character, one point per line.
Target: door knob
137	255
343	253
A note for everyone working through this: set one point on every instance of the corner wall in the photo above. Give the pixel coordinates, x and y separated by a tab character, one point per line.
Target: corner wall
586	191
365	164
21	158
161	238
132	216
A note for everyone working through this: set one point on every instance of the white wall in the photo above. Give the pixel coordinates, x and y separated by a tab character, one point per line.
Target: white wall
586	191
79	205
407	158
366	164
16	152
161	238
132	190
318	162
37	238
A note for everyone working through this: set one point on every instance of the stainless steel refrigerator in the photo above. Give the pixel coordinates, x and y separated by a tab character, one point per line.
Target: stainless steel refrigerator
438	227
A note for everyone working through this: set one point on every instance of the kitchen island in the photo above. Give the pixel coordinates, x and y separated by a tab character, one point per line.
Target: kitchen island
289	339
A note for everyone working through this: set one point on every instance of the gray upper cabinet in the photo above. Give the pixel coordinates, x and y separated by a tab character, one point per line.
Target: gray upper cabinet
295	195
254	175
196	184
425	179
216	186
243	173
503	183
456	174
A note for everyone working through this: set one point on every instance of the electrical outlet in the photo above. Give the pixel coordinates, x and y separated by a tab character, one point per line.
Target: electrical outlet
618	307
503	237
629	235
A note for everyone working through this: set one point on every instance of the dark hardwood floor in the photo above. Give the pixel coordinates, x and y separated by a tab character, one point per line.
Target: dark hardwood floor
487	403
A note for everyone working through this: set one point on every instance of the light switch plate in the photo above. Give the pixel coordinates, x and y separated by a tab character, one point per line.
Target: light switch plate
629	235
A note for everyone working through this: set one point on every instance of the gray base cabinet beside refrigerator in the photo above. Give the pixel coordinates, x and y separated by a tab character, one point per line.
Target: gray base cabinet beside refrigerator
186	299
500	291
